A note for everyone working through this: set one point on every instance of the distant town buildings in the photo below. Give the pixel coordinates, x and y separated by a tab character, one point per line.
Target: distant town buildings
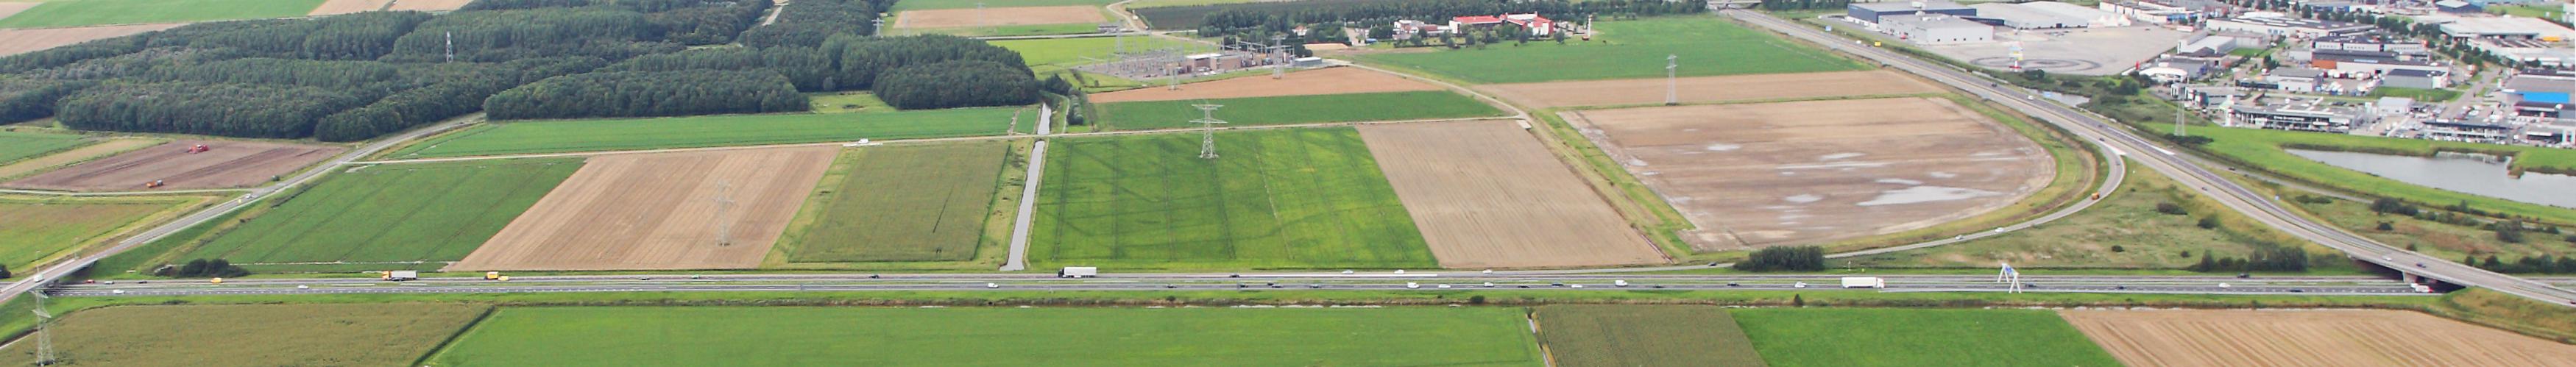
1537	25
2280	26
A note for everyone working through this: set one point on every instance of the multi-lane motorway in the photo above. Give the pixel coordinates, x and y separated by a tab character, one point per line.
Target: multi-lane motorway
2166	160
1380	280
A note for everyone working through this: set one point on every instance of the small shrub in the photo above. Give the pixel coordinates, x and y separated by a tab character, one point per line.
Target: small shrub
2170	209
2208	222
2117	248
2385	226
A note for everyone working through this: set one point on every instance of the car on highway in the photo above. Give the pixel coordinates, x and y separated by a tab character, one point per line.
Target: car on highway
992	285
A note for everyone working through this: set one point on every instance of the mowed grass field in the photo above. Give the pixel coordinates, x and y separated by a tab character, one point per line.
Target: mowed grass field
2264	149
1307	109
707	131
1625	50
33	229
852	336
69	13
1644	335
1288	198
377	334
905	203
1044	55
971	4
17	145
1868	337
429	213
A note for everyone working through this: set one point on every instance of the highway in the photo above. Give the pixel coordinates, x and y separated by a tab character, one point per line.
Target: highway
2321	285
2165	160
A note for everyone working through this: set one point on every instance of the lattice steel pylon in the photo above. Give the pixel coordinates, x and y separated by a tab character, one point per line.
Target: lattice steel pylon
1672	80
45	354
724	203
1207	132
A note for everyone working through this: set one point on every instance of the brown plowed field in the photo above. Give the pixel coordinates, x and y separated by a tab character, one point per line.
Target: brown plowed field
1487	195
230	164
953	18
1770	174
1336	80
336	7
83	153
658	212
2308	338
436	5
19	41
12	8
1711	89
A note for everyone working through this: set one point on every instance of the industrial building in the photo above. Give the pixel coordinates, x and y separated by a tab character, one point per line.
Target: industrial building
2419	79
2528	51
1870	12
2298	116
2542	95
2178	69
2372	43
2047	15
2163	11
2481	26
2364	64
2288	27
2208	45
1935	29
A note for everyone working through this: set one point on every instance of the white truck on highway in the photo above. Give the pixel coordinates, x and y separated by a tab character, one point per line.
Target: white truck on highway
1864	282
402	275
1078	272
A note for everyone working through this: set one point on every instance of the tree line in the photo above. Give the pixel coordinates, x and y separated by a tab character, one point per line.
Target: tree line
1804	4
1784	258
223	109
962	83
641	94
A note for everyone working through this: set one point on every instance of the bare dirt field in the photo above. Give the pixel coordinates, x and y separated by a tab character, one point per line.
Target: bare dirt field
336	7
2308	338
659	211
1338	80
1710	88
435	5
1770	174
229	164
952	18
1486	195
12	8
83	153
19	41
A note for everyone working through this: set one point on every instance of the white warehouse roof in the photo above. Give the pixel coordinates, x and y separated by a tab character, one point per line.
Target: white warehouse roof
2017	16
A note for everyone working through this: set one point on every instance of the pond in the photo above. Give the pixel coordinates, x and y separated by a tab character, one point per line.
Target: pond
2479	174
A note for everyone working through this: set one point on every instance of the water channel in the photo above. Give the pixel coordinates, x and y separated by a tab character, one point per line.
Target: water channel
2479	174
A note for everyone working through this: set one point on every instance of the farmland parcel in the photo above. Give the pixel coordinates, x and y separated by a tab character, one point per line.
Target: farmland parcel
803	336
1628	50
1621	335
2309	338
1769	174
1307	109
16	145
71	13
1487	195
953	18
694	210
707	131
1291	198
1337	80
226	164
1871	337
34	229
905	203
1729	88
18	41
74	155
397	216
378	334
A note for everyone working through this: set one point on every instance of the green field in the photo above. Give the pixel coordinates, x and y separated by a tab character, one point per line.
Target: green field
1627	49
17	145
1867	337
383	334
70	13
1044	55
2434	238
430	212
848	102
905	203
706	131
2419	95
1388	106
992	336
34	229
1288	198
971	4
2262	149
2126	218
1007	30
1642	335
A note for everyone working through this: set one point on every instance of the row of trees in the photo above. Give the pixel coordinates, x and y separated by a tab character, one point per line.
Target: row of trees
639	94
964	83
2265	258
2543	264
225	109
1784	258
1804	4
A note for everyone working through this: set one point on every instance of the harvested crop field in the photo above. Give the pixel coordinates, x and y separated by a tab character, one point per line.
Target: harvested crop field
227	164
1335	80
2308	338
12	8
659	211
1710	88
953	18
1643	335
375	334
336	7
1487	195
1770	174
74	155
432	5
19	41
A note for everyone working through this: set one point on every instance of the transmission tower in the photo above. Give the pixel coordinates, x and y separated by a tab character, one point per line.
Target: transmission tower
979	15
1672	80
724	203
878	29
451	46
1207	132
1279	56
45	354
2177	120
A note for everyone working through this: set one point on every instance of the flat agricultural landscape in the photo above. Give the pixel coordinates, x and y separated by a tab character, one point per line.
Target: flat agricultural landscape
1308	109
1033	15
378	334
1643	335
993	336
1335	80
19	41
1894	337
1631	49
654	211
337	7
904	203
15	146
388	216
2309	338
717	130
74	155
1770	174
227	164
1284	198
74	13
1729	88
1488	195
33	229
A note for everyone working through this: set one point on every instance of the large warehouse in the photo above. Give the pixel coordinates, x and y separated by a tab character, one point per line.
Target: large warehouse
1934	29
1870	12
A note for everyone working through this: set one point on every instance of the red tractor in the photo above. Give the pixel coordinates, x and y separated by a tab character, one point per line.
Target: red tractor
155	184
199	148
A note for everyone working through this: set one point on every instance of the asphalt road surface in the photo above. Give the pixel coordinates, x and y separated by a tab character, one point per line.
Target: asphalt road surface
2324	285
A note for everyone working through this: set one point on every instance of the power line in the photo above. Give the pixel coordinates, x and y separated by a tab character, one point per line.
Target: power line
1207	132
724	203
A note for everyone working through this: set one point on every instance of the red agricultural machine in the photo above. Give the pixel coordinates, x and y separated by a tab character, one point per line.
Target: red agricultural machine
199	148
155	184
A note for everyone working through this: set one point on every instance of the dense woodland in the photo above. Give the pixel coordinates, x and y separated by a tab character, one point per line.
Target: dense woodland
359	76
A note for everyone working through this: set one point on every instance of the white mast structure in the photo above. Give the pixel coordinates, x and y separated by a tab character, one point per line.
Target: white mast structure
1207	131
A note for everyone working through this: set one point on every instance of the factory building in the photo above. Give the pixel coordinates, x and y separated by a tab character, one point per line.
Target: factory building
1870	12
1934	29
